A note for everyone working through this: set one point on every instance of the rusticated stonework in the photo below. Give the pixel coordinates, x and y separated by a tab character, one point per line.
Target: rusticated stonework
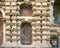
37	13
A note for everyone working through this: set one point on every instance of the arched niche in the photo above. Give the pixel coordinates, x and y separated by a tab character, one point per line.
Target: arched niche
57	11
26	9
26	33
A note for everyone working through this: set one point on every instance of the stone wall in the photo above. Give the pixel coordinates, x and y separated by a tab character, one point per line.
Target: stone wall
40	21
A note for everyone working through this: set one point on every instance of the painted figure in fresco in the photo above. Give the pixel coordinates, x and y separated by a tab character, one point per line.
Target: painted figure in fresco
26	12
26	9
26	34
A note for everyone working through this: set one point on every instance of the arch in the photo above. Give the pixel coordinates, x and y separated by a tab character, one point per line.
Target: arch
26	9
2	11
2	27
26	33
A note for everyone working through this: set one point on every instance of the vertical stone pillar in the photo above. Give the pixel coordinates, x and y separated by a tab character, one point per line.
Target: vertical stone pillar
36	14
10	24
